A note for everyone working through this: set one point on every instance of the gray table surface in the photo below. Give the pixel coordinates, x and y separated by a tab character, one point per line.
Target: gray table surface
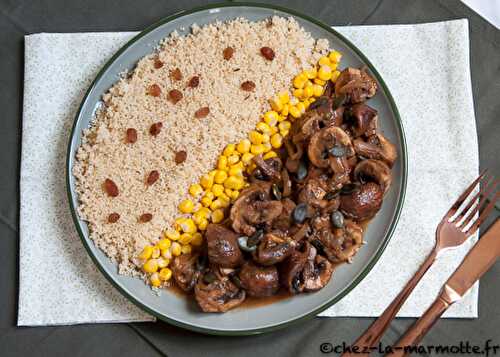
18	18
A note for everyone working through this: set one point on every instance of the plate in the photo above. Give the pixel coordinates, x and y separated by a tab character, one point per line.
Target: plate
183	312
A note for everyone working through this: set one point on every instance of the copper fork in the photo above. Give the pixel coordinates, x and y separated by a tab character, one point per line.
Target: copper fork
457	225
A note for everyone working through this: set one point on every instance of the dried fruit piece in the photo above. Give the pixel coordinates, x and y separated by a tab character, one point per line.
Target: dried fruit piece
154	90
157	63
131	135
110	188
113	217
180	157
155	128
202	112
228	53
248	86
267	53
174	96
153	177
194	82
145	217
175	74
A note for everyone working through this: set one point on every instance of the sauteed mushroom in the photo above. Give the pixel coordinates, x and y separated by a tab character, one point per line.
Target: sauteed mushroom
362	203
329	145
273	249
374	170
217	293
259	281
317	273
356	84
365	120
222	244
377	147
185	271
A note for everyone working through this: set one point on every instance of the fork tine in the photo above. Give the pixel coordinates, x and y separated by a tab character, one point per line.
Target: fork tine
483	195
464	195
485	183
483	215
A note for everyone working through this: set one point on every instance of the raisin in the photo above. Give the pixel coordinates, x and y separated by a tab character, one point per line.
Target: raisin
267	53
154	90
145	217
180	157
228	53
174	96
113	217
176	74
110	188
202	112
248	86
194	82
155	128
157	63
153	177
131	135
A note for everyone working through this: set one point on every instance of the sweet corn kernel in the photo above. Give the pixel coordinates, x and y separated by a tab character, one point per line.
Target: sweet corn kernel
220	176
299	93
234	183
212	173
284	97
285	125
270	154
195	190
284	133
243	146
308	91
185	238
186	249
233	159
175	249
228	192
186	206
207	181
217	215
235	171
276	141
257	149
255	137
299	81
271	118
246	158
265	138
306	103
165	274
215	204
333	66
146	253
197	217
294	112
324	61
263	127
166	254
173	235
293	101
274	130
154	279
284	112
251	167
156	252
206	201
162	262
301	107
319	81
203	224
217	189
234	195
335	76
335	56
267	147
229	149
317	90
276	104
188	226
222	162
150	266
164	243
325	72
197	240
311	73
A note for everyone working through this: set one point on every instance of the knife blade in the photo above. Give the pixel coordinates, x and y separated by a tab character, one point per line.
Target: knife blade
477	262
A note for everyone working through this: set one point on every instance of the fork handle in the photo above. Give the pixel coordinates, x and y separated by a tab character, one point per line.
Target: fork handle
372	336
420	328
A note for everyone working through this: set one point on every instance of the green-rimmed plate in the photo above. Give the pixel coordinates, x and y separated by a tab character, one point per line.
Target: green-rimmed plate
184	312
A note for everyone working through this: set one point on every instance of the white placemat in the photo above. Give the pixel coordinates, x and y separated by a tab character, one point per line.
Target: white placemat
427	70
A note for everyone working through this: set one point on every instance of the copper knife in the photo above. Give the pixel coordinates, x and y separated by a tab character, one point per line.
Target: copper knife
477	262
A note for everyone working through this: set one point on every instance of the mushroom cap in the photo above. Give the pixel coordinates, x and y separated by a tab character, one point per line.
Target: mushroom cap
362	203
374	170
377	147
324	140
259	281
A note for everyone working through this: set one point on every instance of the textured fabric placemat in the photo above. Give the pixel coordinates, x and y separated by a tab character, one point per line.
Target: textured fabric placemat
425	66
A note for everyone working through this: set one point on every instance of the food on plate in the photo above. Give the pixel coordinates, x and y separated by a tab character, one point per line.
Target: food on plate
235	169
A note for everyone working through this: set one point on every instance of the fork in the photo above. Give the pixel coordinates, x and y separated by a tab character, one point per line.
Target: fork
457	225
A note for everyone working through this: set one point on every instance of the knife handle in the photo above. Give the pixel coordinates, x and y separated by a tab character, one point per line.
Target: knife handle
420	328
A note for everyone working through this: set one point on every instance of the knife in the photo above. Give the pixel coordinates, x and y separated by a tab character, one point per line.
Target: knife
477	262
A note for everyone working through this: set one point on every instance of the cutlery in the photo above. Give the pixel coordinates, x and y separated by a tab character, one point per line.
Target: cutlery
477	262
457	225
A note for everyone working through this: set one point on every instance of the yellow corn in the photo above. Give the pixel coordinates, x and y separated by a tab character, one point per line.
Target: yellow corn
197	240
294	112
335	76
284	112
284	97
236	171
188	226
257	149
217	215
233	159
229	149
319	81
198	217
267	147
154	279
298	93
150	266
195	190
165	274
247	158
317	90
217	189
166	254
156	252
299	81
325	72
222	162
206	201
276	141
311	73
255	137
293	101
162	262
185	238
263	127
175	249
203	224
234	183
172	235
146	252
335	56
186	206
207	181
301	107
186	249
324	61
276	104
271	118
243	146
215	204
285	125
308	91
270	154
265	138
220	176
164	243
